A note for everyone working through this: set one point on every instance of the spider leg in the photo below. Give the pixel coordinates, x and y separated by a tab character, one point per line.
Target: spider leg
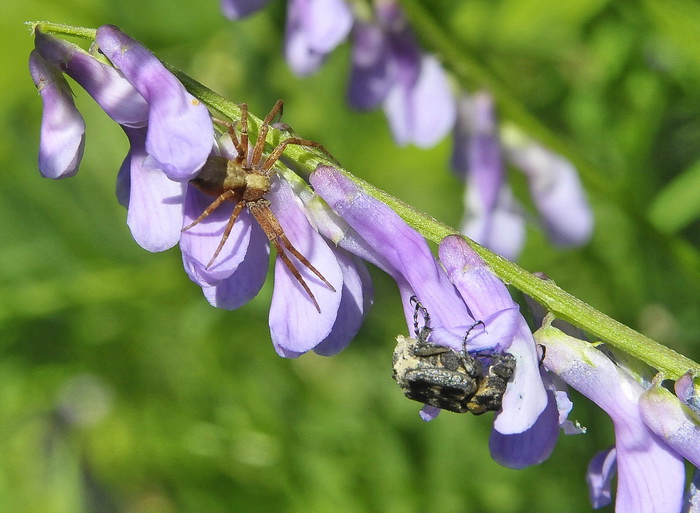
213	206
293	141
227	231
270	225
262	134
231	130
243	150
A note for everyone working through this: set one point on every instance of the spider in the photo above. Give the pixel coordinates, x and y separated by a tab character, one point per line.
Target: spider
245	181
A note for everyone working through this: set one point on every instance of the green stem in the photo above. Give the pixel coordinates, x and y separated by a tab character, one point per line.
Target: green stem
60	29
559	302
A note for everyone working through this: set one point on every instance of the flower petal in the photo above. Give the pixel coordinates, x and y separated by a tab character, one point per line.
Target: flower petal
530	447
180	130
371	75
237	9
650	475
106	85
556	189
247	279
354	304
601	470
502	229
295	324
314	29
404	249
200	241
686	391
485	295
62	127
155	202
672	421
692	496
433	104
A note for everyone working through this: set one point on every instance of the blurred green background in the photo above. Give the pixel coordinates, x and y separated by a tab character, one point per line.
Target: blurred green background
122	390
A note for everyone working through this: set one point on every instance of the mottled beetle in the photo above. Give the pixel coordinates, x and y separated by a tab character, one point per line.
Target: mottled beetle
448	379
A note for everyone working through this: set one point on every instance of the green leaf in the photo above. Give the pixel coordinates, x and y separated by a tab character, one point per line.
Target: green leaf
678	204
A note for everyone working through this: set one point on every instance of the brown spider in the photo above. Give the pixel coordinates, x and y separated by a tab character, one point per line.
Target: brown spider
245	182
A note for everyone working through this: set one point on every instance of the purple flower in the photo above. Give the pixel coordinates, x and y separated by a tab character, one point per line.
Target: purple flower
298	323
62	126
673	420
692	496
528	415
314	29
492	216
154	201
107	86
180	131
388	68
236	9
601	470
650	474
686	392
555	189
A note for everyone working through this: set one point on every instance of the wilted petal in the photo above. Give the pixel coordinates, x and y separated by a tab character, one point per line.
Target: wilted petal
650	475
556	192
180	130
673	421
601	470
155	202
62	127
236	9
354	304
106	85
295	323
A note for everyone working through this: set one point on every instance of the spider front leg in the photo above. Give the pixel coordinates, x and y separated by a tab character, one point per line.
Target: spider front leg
275	234
241	146
262	134
293	141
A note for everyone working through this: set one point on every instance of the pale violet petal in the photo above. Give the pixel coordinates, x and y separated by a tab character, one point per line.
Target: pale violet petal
62	127
201	240
180	130
155	202
295	323
355	302
248	277
601	470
